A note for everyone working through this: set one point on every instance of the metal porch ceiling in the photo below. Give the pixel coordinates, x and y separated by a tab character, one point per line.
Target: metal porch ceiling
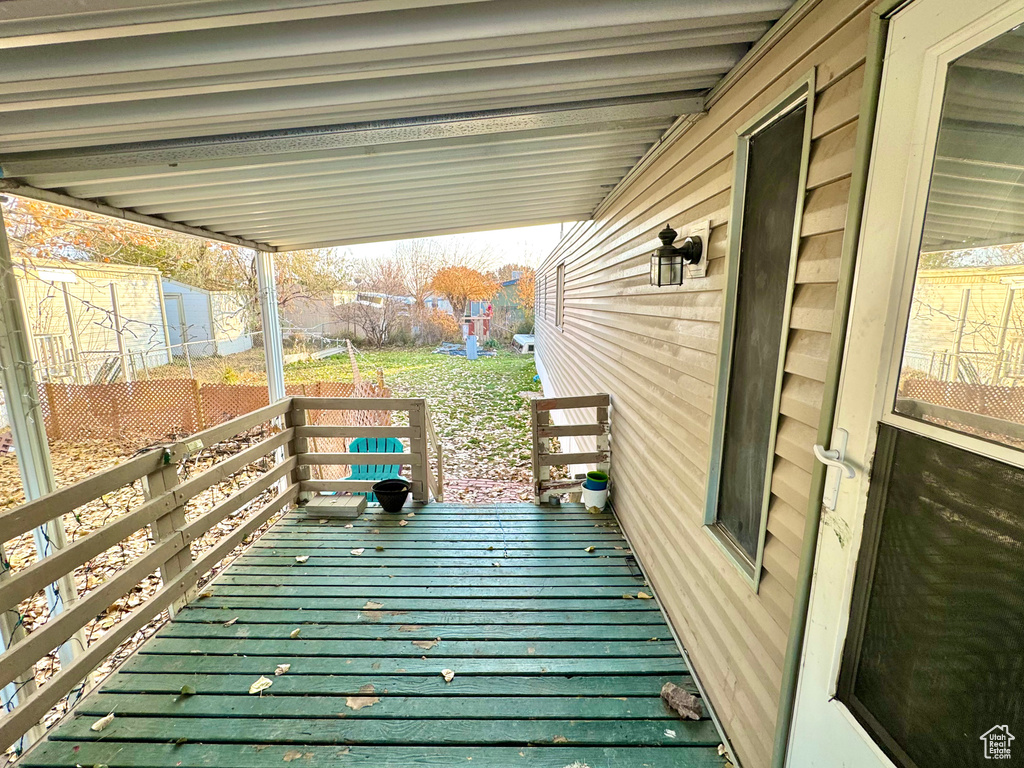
297	123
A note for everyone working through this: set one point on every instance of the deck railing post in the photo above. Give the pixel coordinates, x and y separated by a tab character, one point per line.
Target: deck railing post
418	449
540	447
156	483
299	446
604	439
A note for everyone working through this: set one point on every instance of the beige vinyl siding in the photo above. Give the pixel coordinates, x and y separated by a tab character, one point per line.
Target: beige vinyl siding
655	350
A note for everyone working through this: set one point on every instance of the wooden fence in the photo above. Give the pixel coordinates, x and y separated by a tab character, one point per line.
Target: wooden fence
148	411
168	491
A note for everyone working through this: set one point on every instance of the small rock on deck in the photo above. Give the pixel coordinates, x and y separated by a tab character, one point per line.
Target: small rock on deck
554	665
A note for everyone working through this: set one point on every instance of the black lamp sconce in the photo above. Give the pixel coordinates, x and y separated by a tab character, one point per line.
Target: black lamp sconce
668	262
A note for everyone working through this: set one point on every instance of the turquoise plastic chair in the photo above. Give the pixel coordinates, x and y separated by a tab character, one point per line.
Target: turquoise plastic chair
375	472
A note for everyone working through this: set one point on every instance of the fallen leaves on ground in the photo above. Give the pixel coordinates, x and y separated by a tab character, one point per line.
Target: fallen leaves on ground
302	558
559	740
282	669
644	596
187	690
403	523
294	633
102	723
261	684
358	550
589	549
363	700
230	622
448	675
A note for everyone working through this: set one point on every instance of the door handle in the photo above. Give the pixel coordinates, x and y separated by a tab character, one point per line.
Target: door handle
833	458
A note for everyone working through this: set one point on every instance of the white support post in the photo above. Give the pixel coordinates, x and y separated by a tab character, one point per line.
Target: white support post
21	393
273	345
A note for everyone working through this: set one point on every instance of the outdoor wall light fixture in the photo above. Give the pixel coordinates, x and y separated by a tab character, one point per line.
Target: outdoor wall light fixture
668	261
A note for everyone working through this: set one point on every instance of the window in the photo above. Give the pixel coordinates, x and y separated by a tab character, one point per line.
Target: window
559	294
771	161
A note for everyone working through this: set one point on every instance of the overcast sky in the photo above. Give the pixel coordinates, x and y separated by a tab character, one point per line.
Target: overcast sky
525	245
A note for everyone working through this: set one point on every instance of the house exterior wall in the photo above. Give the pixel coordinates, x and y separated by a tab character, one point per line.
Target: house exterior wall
990	304
655	350
195	326
91	308
228	315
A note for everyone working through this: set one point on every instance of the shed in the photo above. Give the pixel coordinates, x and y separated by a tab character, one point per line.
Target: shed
205	322
87	317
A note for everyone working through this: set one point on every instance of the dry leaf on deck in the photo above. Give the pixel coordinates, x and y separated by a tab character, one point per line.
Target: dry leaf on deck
187	690
372	605
281	669
229	622
448	675
426	644
559	740
301	558
644	596
349	525
379	548
358	702
670	733
628	596
589	549
358	550
261	685
102	723
403	523
410	627
411	514
294	633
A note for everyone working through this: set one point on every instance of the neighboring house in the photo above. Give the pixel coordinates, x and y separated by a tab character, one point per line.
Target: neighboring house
968	324
436	301
89	318
322	316
507	314
206	322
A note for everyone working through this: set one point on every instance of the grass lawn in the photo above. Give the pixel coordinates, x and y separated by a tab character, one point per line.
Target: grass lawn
478	413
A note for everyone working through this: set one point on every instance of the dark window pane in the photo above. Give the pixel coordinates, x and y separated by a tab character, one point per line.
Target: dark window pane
935	656
773	181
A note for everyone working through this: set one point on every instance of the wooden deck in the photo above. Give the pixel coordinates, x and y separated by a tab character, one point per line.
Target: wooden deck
554	665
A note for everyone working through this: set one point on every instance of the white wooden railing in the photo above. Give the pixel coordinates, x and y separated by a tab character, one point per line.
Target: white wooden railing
171	532
543	430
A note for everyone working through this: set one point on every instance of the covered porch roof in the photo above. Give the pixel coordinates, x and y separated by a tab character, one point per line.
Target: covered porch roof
286	124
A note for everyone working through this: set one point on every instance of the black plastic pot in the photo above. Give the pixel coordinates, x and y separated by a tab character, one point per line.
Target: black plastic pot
391	493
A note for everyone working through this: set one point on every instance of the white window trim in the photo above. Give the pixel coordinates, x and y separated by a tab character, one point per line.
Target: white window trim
801	93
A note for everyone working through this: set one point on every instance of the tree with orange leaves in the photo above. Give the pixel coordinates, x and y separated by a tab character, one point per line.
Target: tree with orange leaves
461	285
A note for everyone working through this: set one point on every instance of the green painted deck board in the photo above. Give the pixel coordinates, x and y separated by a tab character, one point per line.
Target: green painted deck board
134	755
375	649
314	630
405	685
320	615
390	707
312	665
337	730
556	660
